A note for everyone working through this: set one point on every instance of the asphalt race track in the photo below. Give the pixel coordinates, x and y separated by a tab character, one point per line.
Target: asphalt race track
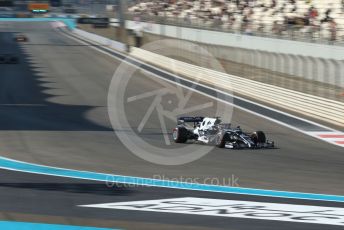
48	198
53	108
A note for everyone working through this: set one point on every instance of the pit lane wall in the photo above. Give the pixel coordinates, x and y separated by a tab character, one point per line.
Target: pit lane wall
319	62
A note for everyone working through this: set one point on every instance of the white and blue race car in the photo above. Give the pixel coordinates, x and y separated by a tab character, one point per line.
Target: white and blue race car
212	131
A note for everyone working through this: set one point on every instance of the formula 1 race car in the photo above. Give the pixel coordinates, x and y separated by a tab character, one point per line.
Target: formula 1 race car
8	59
211	131
20	38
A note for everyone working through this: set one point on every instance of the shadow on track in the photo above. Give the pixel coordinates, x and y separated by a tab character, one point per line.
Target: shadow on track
49	44
23	99
84	188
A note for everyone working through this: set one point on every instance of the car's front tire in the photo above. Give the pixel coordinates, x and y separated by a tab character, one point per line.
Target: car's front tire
258	137
221	140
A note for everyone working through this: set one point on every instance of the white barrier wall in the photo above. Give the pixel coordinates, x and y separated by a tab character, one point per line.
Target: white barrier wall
101	40
245	41
320	62
309	105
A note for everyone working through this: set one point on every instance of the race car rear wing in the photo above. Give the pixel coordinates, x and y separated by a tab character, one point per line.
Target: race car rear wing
190	119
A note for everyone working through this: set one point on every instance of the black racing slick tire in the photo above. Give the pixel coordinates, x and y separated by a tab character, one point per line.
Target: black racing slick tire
221	140
180	135
258	137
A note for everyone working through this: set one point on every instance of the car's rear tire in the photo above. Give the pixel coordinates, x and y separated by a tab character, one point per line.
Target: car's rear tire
180	135
258	137
221	140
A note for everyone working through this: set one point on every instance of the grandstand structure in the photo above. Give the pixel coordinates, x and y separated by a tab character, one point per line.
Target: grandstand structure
310	20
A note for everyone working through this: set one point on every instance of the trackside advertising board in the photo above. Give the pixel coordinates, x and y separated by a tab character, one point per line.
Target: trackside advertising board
38	7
